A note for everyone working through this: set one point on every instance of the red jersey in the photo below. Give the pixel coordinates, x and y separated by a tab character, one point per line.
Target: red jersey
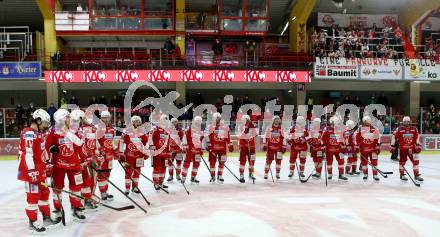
176	137
367	137
407	137
247	137
315	140
135	143
274	139
332	139
297	139
32	155
219	137
160	140
349	138
88	135
70	152
106	136
194	138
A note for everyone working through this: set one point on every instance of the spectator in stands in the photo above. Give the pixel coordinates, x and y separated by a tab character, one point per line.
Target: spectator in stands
217	48
198	100
56	58
357	101
347	100
62	102
93	101
365	50
73	100
383	100
201	20
246	100
102	100
114	102
19	113
30	110
51	110
315	39
79	8
169	46
430	53
372	100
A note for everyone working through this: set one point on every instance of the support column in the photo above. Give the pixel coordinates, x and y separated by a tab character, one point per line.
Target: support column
297	24
180	25
47	9
52	94
412	99
181	89
300	96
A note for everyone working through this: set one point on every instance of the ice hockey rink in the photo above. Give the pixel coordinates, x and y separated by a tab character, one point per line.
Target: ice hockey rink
285	207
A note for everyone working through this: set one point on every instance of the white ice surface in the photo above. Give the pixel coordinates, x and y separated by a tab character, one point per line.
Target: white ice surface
284	208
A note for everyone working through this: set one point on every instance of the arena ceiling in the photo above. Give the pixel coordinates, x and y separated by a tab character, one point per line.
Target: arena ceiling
21	13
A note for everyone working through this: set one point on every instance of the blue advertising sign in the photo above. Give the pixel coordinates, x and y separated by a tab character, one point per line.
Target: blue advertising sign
20	70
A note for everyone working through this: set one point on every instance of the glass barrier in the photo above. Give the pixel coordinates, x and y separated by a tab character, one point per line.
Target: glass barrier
232	24
103	23
232	8
256	25
256	8
158	23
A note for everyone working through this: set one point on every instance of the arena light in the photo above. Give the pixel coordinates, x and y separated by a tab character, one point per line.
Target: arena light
285	28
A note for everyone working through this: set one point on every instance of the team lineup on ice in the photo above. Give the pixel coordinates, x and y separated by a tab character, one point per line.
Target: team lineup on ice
309	179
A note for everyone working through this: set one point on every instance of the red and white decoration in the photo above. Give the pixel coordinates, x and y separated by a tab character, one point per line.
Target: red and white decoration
178	75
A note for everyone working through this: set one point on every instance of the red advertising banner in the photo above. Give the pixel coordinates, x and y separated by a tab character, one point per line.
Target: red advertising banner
178	75
9	147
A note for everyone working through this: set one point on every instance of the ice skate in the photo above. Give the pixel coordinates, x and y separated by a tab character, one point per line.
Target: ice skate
36	230
403	177
376	178
194	180
78	215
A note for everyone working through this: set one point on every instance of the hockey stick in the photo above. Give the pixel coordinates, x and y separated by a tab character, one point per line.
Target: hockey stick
230	171
326	181
114	185
299	174
63	215
145	199
380	172
151	181
305	180
209	170
90	199
183	184
412	179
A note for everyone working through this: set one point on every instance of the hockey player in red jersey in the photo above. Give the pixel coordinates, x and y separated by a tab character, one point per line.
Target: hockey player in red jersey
108	151
351	149
247	147
192	143
67	157
316	149
274	145
298	145
219	141
133	146
159	146
333	140
367	138
176	137
87	132
409	147
32	170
